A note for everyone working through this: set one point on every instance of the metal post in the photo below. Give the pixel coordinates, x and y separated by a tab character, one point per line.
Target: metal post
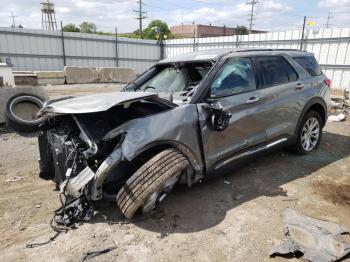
63	48
161	45
302	35
194	40
116	47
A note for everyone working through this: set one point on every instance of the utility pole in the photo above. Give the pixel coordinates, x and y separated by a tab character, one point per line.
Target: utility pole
302	34
13	20
328	19
140	17
251	19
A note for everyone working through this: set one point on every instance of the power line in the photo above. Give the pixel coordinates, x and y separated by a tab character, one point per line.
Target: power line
252	3
140	17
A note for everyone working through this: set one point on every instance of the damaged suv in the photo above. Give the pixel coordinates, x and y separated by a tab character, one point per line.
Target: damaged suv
183	120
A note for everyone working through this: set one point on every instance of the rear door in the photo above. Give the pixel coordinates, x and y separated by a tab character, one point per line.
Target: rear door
285	93
235	88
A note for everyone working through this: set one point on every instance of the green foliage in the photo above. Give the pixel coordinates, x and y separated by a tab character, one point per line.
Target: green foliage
87	27
70	28
151	33
242	30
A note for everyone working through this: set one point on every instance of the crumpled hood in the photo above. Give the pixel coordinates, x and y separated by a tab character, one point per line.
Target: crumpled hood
92	103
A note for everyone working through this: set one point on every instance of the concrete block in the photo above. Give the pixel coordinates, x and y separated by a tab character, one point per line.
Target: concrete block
108	74
6	74
7	92
126	75
80	75
50	77
26	80
115	74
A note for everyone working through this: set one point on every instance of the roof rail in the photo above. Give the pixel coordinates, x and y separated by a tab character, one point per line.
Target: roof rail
266	49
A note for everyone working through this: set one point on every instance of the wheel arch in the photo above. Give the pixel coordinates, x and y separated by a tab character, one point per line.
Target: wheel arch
316	104
156	147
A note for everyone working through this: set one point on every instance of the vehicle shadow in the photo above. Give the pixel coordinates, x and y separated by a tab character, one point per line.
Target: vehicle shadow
205	205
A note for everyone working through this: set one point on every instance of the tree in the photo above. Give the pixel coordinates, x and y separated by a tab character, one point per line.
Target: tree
71	28
151	33
87	27
242	30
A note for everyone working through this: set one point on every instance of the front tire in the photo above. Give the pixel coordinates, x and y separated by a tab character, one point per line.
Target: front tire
309	133
151	182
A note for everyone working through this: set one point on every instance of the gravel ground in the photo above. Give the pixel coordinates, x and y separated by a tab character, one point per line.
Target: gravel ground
231	218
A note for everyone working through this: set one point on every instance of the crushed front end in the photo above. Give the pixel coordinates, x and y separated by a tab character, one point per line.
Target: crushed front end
74	151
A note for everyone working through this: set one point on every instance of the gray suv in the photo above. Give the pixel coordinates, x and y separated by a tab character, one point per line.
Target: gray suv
185	119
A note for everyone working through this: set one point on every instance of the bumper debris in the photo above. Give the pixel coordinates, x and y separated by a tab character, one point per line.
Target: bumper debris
317	240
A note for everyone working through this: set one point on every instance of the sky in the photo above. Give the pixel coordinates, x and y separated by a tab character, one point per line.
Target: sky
271	15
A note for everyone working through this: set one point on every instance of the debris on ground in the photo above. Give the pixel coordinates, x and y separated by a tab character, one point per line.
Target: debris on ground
340	108
13	179
227	182
3	137
337	118
92	254
317	240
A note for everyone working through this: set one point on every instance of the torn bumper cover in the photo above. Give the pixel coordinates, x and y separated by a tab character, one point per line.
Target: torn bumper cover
317	240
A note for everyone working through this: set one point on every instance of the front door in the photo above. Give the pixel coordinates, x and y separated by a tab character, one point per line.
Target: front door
235	89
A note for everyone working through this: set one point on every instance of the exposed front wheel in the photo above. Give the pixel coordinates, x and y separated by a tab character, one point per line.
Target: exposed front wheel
309	133
151	182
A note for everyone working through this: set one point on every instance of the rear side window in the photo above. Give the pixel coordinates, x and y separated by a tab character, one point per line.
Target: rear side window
275	70
310	65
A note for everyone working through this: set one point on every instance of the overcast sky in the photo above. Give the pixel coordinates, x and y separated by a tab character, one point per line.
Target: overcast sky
107	14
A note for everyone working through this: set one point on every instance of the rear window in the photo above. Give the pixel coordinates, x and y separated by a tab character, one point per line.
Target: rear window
310	65
275	70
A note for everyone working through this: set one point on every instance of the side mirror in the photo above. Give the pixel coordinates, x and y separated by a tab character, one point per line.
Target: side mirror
218	118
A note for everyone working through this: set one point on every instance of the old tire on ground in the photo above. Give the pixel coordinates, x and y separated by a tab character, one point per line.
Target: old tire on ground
309	133
21	112
152	179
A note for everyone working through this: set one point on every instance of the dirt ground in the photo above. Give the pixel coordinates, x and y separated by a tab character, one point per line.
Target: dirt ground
236	217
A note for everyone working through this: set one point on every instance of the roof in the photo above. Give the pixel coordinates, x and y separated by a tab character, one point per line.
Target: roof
215	54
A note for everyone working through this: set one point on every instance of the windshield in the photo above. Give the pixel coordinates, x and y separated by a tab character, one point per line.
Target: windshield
173	79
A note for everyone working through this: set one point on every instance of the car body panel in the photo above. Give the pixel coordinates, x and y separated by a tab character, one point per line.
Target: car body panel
92	103
178	126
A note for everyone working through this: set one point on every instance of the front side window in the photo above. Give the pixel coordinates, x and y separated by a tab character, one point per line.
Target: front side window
236	77
275	70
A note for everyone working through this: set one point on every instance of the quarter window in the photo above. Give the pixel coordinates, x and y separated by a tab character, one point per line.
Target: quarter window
236	77
310	64
275	70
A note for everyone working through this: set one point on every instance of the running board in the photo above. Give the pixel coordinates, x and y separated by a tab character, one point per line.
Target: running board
251	152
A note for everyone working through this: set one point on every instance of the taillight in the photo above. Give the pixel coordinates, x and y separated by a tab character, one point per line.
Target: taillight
328	82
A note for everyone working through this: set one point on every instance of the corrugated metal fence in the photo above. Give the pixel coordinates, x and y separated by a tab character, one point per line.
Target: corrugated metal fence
43	50
330	46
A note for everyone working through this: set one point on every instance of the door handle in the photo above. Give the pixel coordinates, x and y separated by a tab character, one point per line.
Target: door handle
299	86
252	100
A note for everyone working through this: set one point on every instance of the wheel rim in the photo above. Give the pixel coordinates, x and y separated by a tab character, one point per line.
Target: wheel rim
310	134
157	197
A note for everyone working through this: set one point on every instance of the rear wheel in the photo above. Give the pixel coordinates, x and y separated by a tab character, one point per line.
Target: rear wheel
151	182
309	133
